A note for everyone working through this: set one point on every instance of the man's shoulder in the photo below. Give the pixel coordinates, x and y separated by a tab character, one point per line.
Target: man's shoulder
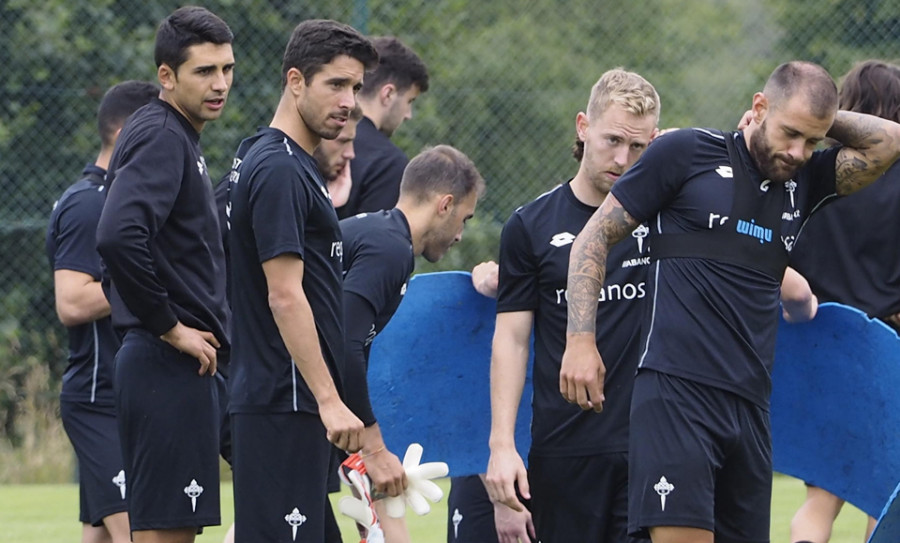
379	229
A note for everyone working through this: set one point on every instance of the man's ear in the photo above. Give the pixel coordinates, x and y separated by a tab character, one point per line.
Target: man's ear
760	107
387	93
167	76
581	125
445	204
295	81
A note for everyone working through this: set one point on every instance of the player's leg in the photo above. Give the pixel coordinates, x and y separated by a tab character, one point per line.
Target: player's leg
118	527
93	431
470	513
94	534
813	520
744	480
280	477
395	530
168	419
580	497
675	446
870	527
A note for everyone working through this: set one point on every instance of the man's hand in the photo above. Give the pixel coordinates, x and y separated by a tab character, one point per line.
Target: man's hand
505	471
339	187
485	278
513	526
200	344
745	119
582	374
384	468
342	427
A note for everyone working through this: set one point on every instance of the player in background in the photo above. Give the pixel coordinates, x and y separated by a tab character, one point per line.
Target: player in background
87	402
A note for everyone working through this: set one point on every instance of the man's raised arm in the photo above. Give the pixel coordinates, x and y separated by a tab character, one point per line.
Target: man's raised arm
871	145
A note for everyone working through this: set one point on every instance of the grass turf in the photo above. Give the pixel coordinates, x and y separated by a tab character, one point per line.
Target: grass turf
42	513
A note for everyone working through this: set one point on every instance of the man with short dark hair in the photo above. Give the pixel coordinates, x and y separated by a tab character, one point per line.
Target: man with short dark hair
386	99
285	255
438	194
159	239
724	210
87	403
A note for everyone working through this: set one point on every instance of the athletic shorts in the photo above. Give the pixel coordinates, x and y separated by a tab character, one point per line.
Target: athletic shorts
225	420
169	426
699	457
101	477
580	498
281	465
470	513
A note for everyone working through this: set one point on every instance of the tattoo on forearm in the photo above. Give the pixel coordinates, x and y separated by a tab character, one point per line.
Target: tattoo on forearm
587	263
870	147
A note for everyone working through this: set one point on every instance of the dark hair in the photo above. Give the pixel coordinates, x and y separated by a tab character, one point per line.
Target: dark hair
119	102
811	79
397	64
872	87
187	26
441	170
317	42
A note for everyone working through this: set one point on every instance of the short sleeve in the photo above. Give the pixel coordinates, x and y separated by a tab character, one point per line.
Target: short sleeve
279	206
517	288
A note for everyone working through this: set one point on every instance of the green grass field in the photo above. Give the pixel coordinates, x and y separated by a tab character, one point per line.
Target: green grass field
48	513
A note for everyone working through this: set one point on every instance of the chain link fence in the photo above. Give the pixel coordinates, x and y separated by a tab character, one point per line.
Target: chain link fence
507	79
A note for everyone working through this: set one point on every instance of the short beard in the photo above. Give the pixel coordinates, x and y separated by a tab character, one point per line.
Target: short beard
765	159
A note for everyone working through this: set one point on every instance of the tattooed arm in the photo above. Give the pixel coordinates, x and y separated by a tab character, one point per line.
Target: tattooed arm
582	372
871	145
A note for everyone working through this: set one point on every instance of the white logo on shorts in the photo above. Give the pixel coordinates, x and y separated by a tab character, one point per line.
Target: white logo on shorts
193	492
119	481
663	488
457	520
295	519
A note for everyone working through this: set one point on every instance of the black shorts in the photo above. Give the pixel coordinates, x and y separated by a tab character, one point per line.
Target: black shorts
281	463
101	477
580	498
699	457
169	426
225	420
470	513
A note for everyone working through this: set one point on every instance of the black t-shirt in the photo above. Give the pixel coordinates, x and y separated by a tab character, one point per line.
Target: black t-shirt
279	205
159	232
849	250
378	260
72	245
534	262
376	171
710	321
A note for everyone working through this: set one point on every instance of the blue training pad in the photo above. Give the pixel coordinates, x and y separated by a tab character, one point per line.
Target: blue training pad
429	374
836	407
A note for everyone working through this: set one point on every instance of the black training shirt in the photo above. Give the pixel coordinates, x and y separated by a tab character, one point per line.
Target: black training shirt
534	263
378	260
376	171
710	321
279	205
159	234
849	250
72	245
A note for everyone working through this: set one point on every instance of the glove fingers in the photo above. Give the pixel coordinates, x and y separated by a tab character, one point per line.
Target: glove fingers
417	502
429	490
395	506
413	455
428	470
355	509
